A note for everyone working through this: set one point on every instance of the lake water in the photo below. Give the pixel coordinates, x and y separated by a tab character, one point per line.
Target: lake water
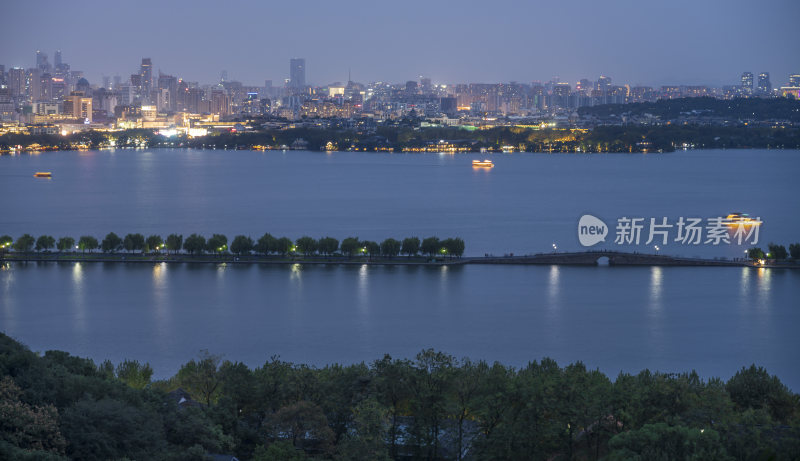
711	319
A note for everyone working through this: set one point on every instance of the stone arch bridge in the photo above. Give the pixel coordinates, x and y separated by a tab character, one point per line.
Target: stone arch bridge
615	258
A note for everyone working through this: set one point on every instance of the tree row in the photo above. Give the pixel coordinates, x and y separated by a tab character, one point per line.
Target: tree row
196	244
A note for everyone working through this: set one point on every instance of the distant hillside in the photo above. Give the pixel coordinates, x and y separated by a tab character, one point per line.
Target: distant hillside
757	109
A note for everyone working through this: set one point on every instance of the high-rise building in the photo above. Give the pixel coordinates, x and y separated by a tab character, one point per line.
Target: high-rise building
220	103
34	84
146	73
584	86
45	87
78	106
794	80
16	81
603	84
297	72
167	101
57	60
747	82
560	97
41	61
764	85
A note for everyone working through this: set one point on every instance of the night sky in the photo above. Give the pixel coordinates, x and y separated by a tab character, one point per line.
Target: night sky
634	41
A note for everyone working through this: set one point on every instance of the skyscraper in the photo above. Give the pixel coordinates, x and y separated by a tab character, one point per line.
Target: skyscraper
57	60
764	85
794	80
146	73
747	82
16	81
41	61
297	72
603	84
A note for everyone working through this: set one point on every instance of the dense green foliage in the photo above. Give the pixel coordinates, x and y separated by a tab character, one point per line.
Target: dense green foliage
243	245
56	406
734	109
776	252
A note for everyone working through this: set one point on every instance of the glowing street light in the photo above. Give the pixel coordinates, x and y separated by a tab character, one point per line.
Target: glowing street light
555	247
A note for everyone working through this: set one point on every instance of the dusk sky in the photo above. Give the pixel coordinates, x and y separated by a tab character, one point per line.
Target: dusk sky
654	43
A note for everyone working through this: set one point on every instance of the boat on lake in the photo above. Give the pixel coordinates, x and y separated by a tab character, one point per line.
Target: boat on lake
741	219
482	164
43	174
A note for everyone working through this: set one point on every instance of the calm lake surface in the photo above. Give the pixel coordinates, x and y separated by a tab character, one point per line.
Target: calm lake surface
714	320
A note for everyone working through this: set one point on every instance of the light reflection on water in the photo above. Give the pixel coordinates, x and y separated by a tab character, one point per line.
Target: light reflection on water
714	320
655	308
161	301
79	298
656	279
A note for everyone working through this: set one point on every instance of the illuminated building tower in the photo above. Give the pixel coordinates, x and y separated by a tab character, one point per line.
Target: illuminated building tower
78	106
584	86
170	84
297	73
16	81
34	84
764	85
146	74
45	87
794	80
747	82
6	103
603	84
425	85
220	103
561	93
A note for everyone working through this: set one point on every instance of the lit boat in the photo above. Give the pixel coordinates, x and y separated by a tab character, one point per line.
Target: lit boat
43	174
737	219
482	164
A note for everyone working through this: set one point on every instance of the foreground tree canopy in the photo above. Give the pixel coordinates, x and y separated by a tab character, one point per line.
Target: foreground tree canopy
55	406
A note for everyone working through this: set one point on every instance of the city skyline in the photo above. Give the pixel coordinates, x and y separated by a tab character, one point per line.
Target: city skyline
674	44
296	77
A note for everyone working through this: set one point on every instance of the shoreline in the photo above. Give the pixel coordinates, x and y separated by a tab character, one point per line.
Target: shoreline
585	258
12	152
